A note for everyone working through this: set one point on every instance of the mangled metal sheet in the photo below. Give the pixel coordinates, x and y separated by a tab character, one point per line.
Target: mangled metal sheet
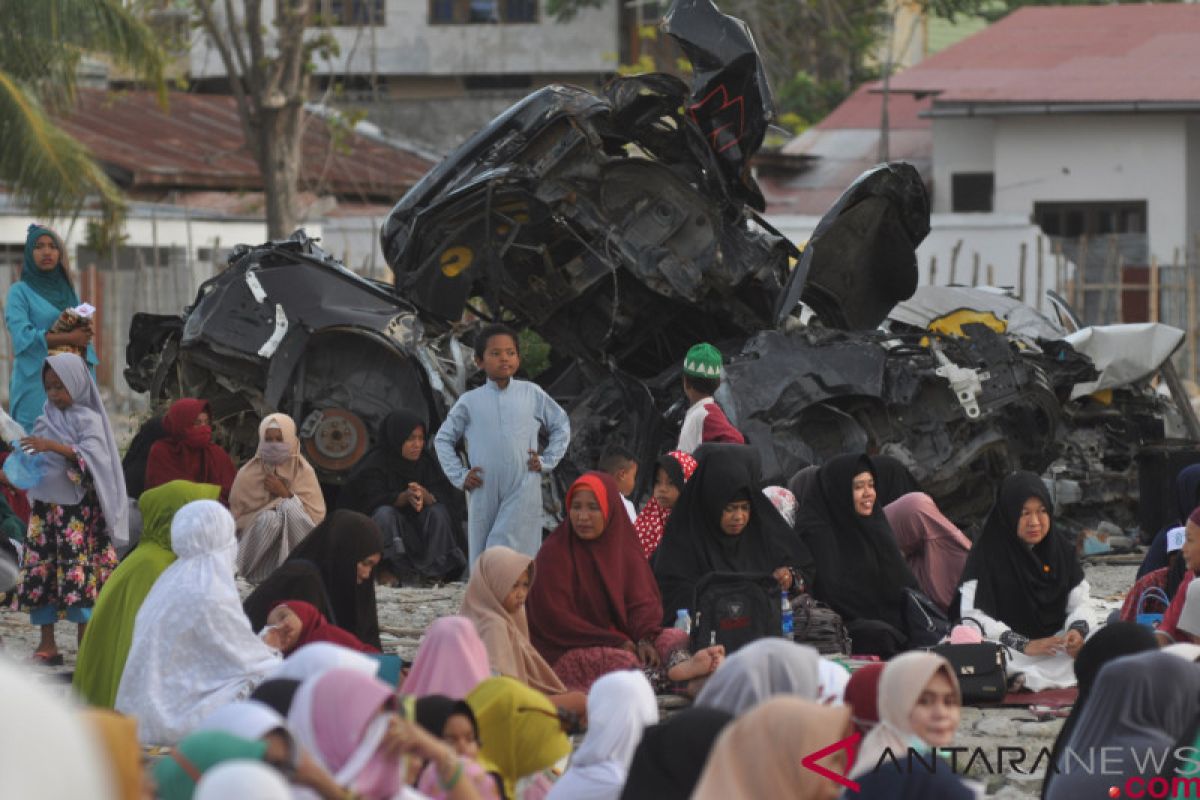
932	303
1124	353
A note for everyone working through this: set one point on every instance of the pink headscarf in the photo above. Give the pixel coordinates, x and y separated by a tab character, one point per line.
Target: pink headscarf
936	551
451	661
341	717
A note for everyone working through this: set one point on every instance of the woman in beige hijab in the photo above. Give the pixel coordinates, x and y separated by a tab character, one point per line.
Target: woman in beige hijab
495	602
275	499
920	704
759	754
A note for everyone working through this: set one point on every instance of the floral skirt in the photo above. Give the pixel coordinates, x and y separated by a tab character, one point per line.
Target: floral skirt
68	556
578	669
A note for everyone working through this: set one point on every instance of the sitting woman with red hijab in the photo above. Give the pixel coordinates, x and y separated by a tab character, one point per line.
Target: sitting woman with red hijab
188	453
299	623
595	607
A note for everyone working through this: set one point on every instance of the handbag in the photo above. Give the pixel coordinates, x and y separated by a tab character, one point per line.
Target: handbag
981	669
1152	620
927	624
819	626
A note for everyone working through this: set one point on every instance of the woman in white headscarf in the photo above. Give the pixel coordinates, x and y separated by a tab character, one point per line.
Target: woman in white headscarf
620	706
761	670
193	650
46	750
276	499
79	510
242	778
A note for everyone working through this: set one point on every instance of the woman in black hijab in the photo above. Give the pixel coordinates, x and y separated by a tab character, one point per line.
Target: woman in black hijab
401	486
1110	642
291	580
892	480
1024	586
724	523
861	573
344	550
669	759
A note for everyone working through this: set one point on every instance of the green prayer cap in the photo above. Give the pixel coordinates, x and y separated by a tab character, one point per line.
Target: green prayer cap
702	361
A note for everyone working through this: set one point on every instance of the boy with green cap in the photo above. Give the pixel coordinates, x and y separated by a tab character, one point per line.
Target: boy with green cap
705	421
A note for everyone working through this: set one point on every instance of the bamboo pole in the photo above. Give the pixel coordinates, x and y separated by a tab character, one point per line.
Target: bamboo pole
1154	288
1041	273
1081	277
1120	304
954	251
991	275
1191	312
932	270
975	269
1021	272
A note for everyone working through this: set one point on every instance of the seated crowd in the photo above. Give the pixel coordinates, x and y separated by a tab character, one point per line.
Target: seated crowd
546	682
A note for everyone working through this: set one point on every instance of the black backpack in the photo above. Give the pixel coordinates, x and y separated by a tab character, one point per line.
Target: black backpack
734	609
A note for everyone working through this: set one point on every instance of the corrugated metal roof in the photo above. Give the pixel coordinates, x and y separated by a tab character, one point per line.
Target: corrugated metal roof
197	143
1070	54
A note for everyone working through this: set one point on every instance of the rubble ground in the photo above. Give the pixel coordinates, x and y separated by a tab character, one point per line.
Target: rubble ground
405	613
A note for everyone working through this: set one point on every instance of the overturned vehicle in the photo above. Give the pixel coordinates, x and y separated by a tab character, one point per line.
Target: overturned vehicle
624	226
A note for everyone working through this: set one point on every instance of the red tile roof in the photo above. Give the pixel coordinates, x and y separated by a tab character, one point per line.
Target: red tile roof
1070	54
197	143
863	109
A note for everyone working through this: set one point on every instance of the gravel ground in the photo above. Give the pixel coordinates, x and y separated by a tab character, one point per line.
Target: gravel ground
405	613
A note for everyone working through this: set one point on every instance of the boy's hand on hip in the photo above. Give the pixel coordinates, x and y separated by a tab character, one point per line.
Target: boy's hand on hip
474	479
535	461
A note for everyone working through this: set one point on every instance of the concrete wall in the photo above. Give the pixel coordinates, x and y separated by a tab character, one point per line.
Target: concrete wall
959	145
1095	158
408	45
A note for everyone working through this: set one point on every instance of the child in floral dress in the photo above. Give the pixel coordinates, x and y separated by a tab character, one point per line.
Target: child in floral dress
79	511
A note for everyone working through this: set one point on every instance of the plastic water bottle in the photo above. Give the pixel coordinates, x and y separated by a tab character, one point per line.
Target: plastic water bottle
786	614
682	621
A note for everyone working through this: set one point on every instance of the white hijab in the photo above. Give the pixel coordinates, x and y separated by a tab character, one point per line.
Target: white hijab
85	427
620	706
246	719
46	750
318	658
193	650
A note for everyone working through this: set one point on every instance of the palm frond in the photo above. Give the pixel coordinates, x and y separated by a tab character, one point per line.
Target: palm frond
44	39
45	167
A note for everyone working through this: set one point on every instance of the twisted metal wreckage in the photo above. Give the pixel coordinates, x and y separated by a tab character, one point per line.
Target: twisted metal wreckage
623	226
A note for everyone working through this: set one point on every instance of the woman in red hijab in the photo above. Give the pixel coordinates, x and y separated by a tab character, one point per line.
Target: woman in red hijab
301	623
188	453
595	607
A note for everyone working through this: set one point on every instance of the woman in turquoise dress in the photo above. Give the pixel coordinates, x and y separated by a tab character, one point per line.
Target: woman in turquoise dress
35	303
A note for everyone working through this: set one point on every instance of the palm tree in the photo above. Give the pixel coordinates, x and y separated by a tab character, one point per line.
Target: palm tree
41	45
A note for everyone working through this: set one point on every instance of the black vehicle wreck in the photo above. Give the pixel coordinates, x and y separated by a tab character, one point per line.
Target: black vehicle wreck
624	226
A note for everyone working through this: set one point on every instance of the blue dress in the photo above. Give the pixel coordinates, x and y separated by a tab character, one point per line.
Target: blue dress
500	427
29	316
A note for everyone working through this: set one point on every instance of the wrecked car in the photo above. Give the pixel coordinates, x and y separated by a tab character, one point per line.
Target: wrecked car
285	327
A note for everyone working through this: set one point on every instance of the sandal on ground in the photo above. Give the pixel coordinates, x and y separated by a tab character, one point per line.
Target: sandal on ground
45	660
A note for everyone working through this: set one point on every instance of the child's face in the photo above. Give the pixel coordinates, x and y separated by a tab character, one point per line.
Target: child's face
459	733
1191	546
626	477
665	492
288	625
516	596
500	358
56	392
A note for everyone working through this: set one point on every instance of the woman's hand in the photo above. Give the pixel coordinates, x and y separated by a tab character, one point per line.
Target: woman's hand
1073	641
79	337
277	486
414	497
647	653
630	647
1044	647
40	444
783	576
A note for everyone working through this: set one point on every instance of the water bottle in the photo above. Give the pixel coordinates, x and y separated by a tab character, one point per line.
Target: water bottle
786	609
682	621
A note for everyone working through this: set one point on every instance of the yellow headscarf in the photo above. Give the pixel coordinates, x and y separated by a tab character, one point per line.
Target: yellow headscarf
519	731
118	734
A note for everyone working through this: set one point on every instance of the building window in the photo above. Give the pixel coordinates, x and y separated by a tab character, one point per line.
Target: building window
350	13
1072	220
482	12
972	191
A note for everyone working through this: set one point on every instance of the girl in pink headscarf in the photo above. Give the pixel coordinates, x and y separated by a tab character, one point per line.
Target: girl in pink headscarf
451	661
348	722
674	470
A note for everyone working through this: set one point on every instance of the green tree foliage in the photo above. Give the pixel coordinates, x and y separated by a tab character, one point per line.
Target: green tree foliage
41	45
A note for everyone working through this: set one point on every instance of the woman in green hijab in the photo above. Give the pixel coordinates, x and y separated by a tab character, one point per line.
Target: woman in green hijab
35	303
106	642
177	773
